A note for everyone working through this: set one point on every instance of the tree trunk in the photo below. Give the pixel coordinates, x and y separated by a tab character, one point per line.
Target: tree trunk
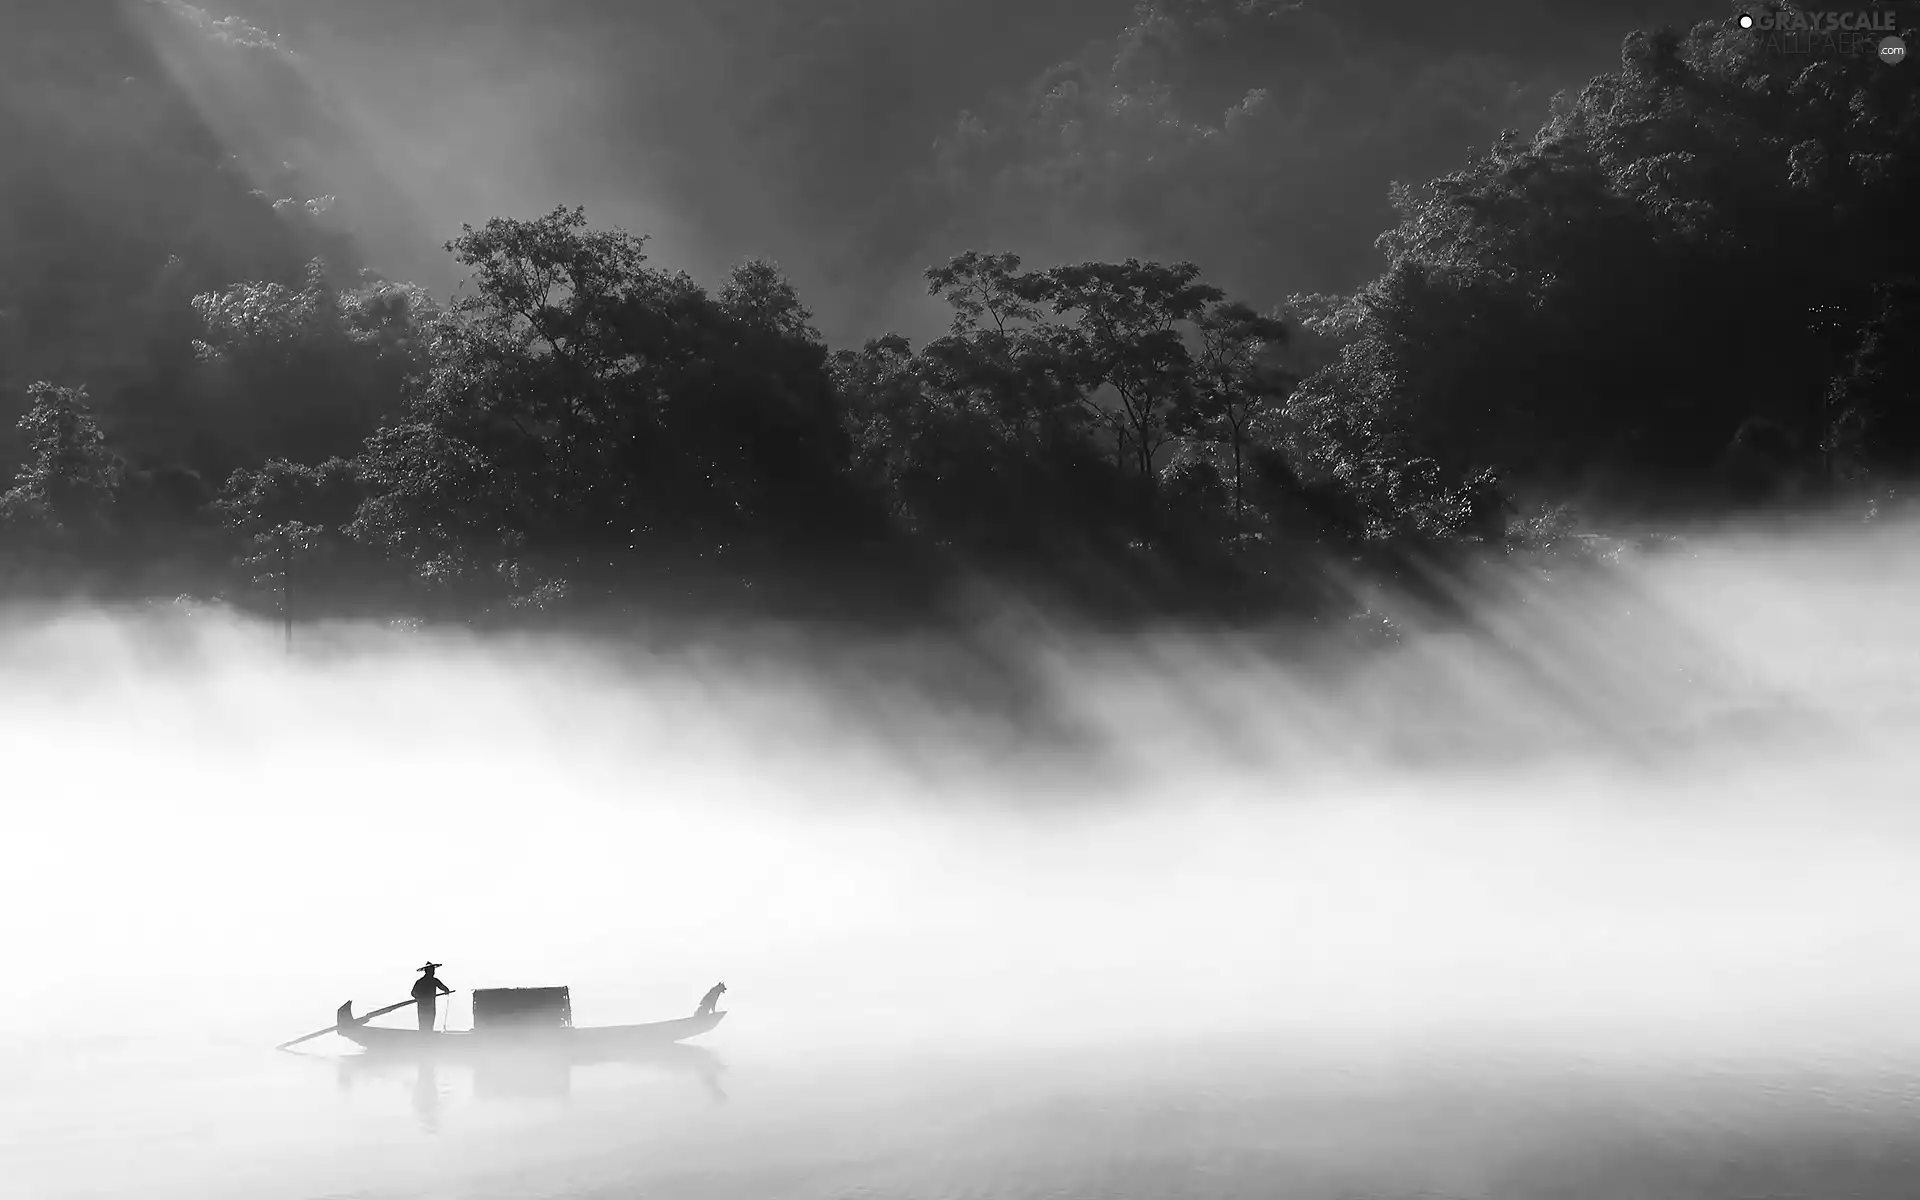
286	588
1236	474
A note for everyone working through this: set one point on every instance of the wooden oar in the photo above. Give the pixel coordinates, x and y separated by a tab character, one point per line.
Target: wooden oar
378	1012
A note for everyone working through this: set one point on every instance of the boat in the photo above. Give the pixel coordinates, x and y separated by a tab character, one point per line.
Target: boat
522	1022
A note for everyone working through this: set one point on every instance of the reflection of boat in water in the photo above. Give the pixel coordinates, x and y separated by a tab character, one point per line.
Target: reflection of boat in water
510	1075
524	1024
671	1057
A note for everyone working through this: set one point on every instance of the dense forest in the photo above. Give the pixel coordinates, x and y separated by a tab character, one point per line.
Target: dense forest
1692	290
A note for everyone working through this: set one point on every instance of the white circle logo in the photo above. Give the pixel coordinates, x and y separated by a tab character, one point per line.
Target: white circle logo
1746	20
1893	50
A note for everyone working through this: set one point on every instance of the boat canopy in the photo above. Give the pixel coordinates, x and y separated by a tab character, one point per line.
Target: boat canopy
522	1008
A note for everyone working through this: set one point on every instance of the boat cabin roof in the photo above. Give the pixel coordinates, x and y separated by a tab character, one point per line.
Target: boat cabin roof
522	1008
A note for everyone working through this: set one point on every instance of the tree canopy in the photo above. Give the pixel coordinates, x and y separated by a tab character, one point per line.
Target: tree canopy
1695	282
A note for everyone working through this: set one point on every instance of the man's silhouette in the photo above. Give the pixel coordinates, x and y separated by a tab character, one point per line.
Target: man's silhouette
426	995
710	999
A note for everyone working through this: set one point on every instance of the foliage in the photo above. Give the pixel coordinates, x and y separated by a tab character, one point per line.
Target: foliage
1233	402
1691	242
333	359
1253	137
69	484
581	411
1697	273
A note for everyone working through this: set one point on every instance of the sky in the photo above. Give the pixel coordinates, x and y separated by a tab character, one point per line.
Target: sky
807	130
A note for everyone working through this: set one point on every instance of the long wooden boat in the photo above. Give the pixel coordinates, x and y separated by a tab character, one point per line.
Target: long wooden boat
575	1044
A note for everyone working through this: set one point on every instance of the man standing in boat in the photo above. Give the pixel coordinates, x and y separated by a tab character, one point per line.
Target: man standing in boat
426	995
710	999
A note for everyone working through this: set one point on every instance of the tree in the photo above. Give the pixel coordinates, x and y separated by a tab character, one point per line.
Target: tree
1002	354
1127	338
1876	398
310	370
533	386
274	557
289	521
122	201
258	500
70	482
981	442
987	290
757	294
584	416
1545	307
1237	387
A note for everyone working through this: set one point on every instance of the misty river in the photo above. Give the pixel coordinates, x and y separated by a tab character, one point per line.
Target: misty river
1611	894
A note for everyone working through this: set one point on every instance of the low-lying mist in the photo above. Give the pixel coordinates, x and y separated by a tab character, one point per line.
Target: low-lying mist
1658	805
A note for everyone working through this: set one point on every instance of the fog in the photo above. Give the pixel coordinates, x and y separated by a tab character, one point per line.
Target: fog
1656	810
807	130
722	131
